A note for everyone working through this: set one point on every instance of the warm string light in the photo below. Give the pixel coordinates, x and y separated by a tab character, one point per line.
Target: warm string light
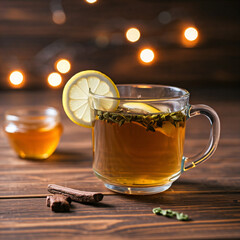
54	79
133	34
191	34
63	65
147	55
16	79
91	1
190	37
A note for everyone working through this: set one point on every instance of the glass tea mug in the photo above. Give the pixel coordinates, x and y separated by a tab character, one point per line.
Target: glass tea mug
138	147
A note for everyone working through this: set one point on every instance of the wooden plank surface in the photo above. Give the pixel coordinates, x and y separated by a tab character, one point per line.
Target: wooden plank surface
124	217
209	193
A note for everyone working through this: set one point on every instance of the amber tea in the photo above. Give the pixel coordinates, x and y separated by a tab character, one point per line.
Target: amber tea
138	150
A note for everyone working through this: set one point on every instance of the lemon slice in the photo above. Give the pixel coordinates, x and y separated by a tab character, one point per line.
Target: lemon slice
76	96
167	129
140	107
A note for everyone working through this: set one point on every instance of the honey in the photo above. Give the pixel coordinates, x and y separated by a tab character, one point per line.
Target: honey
33	135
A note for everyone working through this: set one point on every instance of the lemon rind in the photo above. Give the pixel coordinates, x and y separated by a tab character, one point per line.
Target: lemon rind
67	88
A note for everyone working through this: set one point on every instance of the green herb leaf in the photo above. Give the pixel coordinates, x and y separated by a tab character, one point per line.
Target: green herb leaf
150	128
171	214
106	114
182	217
150	122
121	122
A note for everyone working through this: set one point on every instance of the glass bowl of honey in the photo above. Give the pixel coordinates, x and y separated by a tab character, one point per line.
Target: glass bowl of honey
33	132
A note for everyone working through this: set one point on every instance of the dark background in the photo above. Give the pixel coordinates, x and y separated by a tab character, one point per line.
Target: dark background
93	37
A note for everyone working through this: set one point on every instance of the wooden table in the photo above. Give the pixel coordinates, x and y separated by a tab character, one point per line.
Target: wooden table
209	193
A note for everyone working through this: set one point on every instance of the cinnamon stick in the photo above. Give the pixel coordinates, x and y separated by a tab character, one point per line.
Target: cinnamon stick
76	195
58	203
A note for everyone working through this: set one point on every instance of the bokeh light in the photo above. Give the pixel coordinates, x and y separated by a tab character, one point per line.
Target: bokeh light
16	78
191	33
133	34
59	17
91	1
147	55
63	65
102	40
164	17
54	79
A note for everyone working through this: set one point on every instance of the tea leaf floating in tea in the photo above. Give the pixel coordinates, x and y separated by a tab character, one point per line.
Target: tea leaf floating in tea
150	122
171	214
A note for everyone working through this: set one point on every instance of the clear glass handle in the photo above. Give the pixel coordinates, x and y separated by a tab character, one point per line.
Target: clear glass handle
207	152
